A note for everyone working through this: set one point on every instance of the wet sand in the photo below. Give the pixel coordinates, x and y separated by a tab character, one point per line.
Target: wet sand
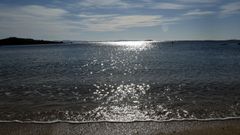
216	127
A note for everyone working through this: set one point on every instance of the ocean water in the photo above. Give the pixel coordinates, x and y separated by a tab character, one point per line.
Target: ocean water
120	81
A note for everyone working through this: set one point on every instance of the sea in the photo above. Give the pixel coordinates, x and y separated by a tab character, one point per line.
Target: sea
120	81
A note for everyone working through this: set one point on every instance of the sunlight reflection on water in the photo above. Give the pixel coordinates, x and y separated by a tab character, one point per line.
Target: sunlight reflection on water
122	102
131	45
128	102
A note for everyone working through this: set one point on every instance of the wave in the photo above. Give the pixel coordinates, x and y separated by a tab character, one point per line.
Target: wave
109	121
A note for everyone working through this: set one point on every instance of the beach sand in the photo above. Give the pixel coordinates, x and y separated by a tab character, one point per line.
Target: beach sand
213	127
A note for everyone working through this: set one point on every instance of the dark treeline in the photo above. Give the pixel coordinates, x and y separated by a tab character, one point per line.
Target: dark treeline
25	41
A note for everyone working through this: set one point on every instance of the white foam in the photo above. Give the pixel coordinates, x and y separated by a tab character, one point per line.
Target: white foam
112	121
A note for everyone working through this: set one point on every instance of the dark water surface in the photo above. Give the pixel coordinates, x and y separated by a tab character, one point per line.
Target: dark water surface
120	81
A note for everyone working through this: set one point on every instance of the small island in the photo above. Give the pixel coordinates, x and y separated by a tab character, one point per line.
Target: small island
25	41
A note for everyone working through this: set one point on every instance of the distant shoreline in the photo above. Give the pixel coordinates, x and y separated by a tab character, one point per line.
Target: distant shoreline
26	41
29	41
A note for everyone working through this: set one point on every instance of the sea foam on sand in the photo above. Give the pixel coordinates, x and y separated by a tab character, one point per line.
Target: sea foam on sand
184	127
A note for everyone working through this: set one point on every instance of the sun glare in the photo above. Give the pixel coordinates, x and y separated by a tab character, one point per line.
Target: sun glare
130	45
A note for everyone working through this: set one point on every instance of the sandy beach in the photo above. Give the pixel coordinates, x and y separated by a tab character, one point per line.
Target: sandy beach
216	127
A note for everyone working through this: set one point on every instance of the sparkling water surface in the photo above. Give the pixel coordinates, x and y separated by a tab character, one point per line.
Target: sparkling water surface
120	81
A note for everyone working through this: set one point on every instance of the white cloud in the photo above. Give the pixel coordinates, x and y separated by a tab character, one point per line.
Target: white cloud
96	15
199	1
167	6
198	12
147	4
30	11
104	3
122	22
119	22
33	20
41	11
230	8
141	4
53	23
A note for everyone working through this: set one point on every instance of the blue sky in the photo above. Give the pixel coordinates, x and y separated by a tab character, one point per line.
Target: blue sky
120	19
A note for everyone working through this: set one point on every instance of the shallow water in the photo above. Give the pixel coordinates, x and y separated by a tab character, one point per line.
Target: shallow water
120	81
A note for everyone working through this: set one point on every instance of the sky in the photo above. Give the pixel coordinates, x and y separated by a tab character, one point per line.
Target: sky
120	19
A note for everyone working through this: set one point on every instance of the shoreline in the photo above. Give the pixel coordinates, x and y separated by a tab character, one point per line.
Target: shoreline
113	121
211	127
